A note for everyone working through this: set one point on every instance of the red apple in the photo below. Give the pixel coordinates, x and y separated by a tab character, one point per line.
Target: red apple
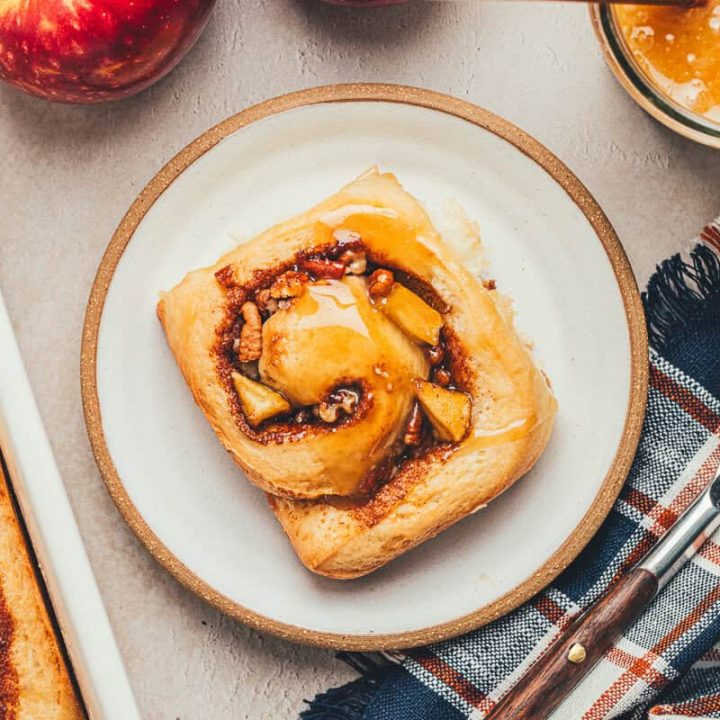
88	51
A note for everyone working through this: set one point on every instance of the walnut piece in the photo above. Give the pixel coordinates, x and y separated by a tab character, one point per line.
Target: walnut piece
380	283
250	347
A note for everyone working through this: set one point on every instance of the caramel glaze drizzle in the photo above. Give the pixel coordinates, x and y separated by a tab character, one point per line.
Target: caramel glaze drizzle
448	358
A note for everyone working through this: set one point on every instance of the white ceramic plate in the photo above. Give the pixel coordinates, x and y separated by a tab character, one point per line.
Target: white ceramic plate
550	248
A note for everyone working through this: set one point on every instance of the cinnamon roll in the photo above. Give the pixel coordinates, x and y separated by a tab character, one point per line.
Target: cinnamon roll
361	375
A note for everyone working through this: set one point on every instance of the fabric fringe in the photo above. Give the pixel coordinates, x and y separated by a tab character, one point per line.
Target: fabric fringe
350	701
680	289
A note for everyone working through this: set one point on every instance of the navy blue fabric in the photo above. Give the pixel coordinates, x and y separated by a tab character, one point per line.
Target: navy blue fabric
683	299
403	696
697	349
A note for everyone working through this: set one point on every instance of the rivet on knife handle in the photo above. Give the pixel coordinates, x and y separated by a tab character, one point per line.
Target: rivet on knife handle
581	646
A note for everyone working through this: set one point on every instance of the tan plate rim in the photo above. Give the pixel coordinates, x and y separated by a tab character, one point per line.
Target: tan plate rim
682	121
628	288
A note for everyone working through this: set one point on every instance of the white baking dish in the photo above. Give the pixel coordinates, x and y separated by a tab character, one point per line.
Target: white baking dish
56	541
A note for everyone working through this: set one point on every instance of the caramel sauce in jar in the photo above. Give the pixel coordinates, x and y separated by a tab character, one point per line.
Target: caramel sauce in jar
678	49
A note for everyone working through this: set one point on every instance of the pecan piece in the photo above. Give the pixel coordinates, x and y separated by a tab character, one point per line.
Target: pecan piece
346	237
303	416
250	346
226	276
441	377
380	283
289	285
355	262
414	428
340	401
323	269
265	302
378	476
436	354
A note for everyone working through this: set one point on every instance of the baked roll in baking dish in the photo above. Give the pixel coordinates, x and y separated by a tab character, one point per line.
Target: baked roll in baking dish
361	375
34	682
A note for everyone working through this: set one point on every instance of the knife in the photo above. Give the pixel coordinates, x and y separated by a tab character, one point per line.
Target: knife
570	658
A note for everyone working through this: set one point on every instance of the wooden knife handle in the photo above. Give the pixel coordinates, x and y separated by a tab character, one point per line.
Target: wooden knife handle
579	648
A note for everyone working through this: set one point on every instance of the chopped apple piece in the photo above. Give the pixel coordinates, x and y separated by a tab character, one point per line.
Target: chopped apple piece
412	314
447	410
258	401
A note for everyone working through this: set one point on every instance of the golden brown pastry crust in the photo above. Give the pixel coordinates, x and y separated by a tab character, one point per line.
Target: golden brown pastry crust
513	406
34	682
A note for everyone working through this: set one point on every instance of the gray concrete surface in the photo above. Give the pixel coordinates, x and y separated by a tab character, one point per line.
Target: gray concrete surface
68	174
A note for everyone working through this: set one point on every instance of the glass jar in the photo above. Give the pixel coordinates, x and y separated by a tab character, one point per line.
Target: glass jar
647	86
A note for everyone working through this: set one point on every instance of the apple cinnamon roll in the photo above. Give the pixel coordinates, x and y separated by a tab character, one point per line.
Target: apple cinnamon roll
361	375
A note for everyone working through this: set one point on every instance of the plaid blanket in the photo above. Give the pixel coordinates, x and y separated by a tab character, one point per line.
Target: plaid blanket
667	665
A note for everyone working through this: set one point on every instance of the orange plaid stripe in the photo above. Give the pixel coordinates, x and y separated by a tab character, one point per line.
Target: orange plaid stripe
691	709
711	235
637	670
686	399
453	679
646	663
